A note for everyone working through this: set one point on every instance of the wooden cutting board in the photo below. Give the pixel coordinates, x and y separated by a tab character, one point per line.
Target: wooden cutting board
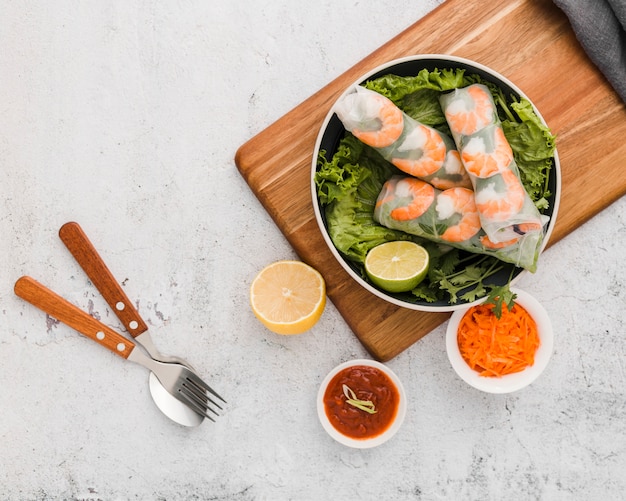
528	41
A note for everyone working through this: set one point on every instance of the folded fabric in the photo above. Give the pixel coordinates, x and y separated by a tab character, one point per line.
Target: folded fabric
450	217
413	147
600	27
506	211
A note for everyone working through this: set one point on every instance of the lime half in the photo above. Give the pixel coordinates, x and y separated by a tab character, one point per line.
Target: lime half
397	266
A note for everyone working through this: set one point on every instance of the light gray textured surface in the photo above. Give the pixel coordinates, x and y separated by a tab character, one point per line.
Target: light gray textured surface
126	116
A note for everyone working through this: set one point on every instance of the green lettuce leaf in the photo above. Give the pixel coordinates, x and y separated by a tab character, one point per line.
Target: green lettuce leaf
533	147
348	186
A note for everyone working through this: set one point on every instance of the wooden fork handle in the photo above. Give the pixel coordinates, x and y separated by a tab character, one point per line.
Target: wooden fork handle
59	308
87	256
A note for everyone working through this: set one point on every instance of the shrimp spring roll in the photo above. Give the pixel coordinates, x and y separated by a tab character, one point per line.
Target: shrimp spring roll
450	216
414	148
506	211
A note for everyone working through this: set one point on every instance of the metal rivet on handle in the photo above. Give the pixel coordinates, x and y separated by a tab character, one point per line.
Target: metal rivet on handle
119	306
100	335
133	325
121	347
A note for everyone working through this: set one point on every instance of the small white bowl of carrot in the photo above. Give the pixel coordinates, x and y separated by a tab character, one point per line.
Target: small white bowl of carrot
500	355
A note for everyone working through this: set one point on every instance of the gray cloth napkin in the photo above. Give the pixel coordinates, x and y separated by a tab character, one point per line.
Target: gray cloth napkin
600	27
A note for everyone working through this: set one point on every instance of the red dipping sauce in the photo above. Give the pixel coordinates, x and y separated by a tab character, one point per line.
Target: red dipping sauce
368	384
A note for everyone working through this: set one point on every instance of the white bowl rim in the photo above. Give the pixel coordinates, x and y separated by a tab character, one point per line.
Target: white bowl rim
318	215
362	443
510	382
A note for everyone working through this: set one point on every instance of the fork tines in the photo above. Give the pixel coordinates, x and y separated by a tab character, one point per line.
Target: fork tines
195	393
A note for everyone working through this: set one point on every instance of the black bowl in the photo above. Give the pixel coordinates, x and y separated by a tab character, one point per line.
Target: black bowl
332	131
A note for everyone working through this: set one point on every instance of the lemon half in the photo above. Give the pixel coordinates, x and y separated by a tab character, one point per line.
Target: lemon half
288	297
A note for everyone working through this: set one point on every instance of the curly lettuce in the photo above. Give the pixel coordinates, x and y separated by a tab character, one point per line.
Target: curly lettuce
348	186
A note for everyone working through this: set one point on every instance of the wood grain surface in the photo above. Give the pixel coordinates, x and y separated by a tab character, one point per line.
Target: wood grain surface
68	313
86	255
528	41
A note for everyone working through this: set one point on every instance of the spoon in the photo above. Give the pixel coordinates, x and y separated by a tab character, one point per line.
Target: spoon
90	261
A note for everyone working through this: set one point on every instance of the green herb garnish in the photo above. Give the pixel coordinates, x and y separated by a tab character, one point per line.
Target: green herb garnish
364	405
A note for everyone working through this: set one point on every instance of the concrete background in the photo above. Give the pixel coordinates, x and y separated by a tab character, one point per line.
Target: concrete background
125	116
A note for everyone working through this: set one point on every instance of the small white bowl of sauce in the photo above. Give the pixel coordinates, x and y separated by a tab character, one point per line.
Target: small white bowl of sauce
361	403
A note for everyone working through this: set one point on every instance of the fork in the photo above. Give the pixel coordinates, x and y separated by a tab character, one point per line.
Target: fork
87	256
179	380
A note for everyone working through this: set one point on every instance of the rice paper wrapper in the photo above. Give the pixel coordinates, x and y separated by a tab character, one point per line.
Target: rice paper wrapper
449	217
506	210
413	147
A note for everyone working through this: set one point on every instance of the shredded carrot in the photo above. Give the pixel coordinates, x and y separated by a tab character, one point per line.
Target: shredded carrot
494	347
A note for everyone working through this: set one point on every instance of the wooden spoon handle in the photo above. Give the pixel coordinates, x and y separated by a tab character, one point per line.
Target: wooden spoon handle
57	307
87	256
